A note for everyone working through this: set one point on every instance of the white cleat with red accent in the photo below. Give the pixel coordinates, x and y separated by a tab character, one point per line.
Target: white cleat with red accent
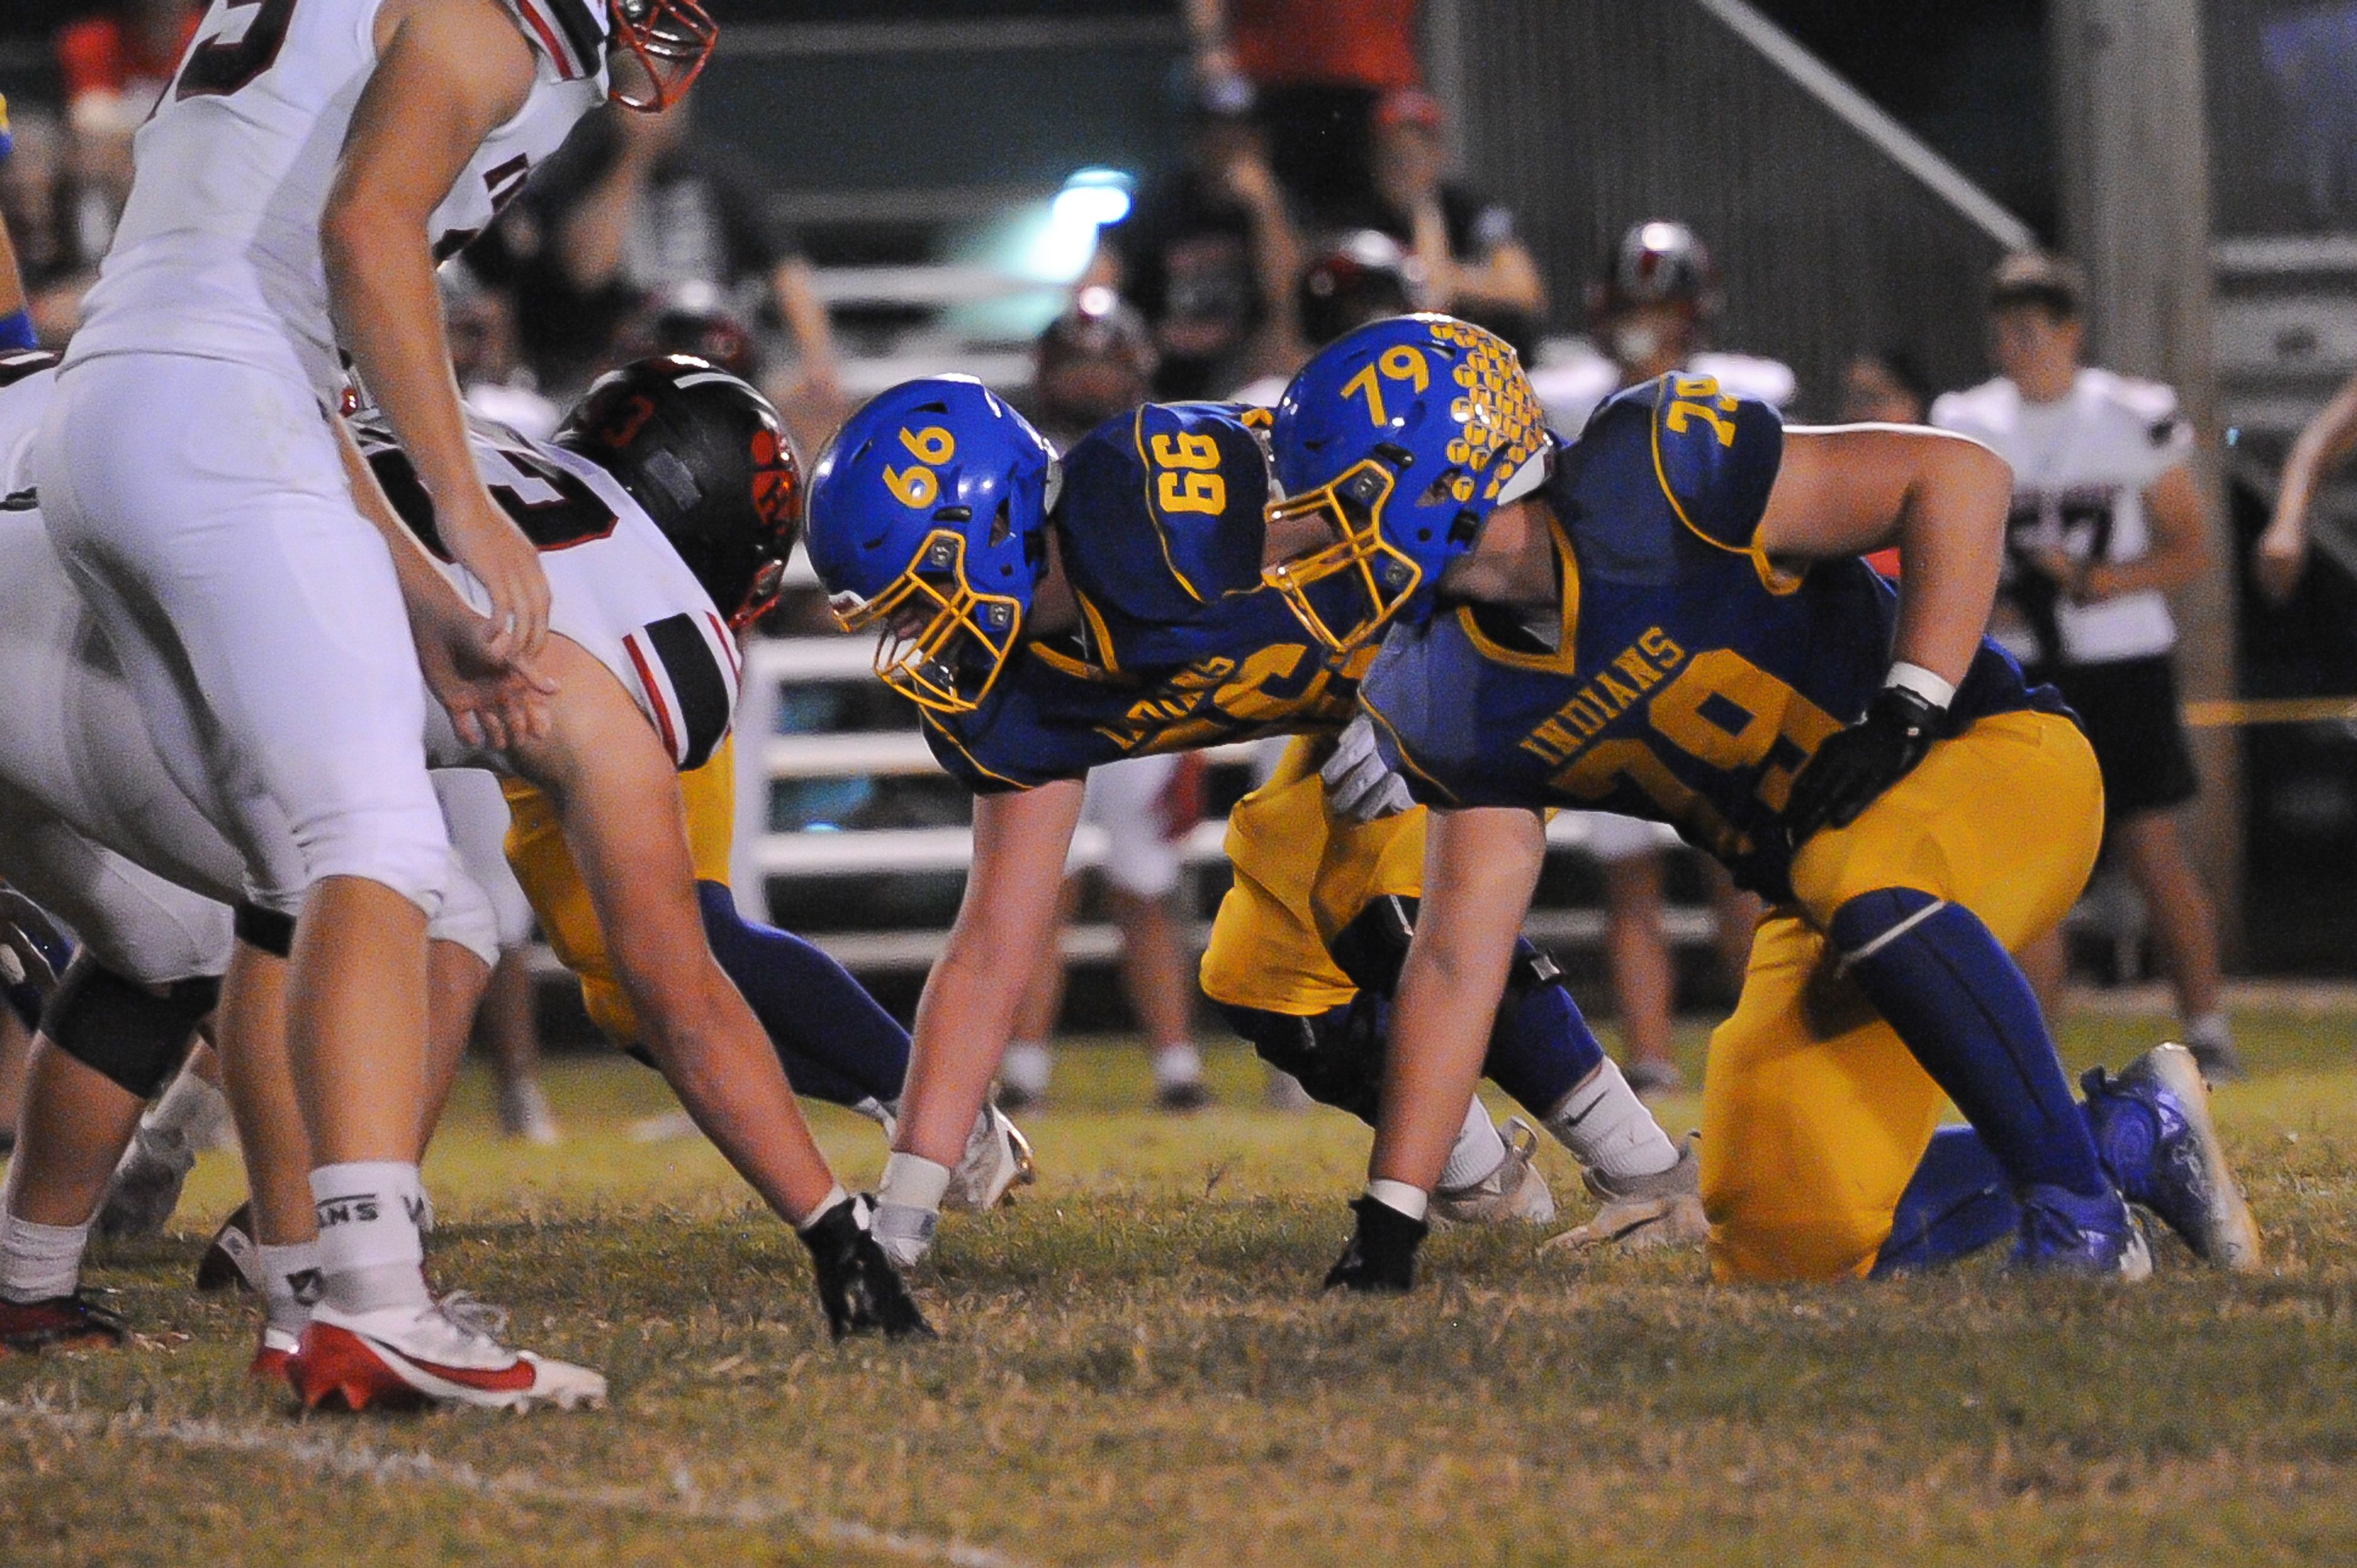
449	1353
272	1354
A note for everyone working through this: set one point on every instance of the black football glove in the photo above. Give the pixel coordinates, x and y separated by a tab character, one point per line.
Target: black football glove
857	1282
1854	767
1382	1254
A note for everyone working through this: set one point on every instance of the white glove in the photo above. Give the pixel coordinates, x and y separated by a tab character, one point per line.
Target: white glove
1360	786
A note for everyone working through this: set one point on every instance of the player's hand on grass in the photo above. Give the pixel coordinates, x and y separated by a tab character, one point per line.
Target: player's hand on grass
1382	1253
1359	785
489	544
1855	766
857	1286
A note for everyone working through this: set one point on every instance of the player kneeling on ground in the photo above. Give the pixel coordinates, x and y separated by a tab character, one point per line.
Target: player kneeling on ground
1046	617
1675	626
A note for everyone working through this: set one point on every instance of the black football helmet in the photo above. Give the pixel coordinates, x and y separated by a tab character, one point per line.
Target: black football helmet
705	454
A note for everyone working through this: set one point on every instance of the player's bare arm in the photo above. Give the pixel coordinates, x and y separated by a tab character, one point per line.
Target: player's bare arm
490	700
2178	554
448	73
617	794
1941	499
2281	555
968	1009
1481	867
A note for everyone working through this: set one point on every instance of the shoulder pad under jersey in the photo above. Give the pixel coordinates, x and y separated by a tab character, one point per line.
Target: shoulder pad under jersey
1162	510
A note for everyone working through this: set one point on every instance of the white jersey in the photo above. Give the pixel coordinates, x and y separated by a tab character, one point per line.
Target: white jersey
218	254
2081	466
1571	385
615	586
20	415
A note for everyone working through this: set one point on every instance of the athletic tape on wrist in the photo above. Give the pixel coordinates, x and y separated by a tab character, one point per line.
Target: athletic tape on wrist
1922	683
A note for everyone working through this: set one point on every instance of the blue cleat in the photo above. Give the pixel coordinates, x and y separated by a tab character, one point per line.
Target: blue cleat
2152	1127
2064	1233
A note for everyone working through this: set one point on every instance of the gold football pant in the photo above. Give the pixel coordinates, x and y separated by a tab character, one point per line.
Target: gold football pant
1301	875
544	865
1814	1114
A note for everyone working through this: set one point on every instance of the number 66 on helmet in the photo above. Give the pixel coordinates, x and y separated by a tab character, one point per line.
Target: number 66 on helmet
928	522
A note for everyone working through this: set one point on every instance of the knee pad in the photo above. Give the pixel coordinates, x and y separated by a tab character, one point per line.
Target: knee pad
467	917
1371	949
1338	1055
123	1030
267	930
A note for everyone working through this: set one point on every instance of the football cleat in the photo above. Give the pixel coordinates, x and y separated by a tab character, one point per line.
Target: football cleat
997	1156
449	1354
1382	1253
2218	1060
2152	1126
232	1261
857	1287
2064	1233
272	1355
60	1322
1639	1213
146	1184
1513	1193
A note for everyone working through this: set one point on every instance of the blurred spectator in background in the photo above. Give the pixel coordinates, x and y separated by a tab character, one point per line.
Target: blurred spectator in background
1093	363
480	321
1319	67
638	204
1208	254
2106	518
115	65
37	200
1364	275
2281	557
693	318
1884	386
1472	262
1651	316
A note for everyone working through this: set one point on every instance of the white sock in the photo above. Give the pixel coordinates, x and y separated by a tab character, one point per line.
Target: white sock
1604	1122
1400	1196
1025	1067
370	1256
909	1207
1178	1065
290	1283
39	1262
2211	1029
1476	1154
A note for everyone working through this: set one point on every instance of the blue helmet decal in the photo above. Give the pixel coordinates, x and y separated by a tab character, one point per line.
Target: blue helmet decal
1400	438
927	521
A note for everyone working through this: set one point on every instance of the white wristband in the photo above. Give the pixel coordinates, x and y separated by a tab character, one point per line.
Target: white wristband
1922	683
1399	1196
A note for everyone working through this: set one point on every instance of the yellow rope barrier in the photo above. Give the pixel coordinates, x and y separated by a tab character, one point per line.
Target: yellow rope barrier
2236	711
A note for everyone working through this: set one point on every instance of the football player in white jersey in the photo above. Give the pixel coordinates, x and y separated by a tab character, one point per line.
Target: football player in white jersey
1652	315
2106	520
296	186
667	486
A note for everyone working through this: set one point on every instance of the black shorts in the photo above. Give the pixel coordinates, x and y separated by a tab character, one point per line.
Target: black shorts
2130	711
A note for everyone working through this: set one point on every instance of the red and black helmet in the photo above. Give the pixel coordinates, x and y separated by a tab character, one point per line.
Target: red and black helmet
705	455
672	40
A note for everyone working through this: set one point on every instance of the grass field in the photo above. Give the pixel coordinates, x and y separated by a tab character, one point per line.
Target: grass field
1136	1369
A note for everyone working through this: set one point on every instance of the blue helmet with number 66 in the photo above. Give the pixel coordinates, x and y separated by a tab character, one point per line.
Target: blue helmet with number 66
927	521
1402	437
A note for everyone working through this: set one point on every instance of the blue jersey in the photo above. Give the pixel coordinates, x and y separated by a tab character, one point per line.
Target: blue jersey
1159	531
1689	678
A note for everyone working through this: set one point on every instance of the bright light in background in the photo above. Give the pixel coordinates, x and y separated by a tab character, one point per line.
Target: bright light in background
1058	249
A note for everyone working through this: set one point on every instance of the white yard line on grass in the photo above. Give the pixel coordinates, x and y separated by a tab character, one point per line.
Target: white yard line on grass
359	1461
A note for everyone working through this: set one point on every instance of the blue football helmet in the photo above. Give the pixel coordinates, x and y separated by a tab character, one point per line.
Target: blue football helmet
927	520
1402	437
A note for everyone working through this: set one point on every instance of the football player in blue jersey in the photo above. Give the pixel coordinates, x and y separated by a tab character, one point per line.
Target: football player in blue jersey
1045	617
1677	626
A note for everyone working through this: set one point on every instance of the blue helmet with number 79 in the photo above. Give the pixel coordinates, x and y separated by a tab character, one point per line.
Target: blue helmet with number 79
927	521
1402	437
